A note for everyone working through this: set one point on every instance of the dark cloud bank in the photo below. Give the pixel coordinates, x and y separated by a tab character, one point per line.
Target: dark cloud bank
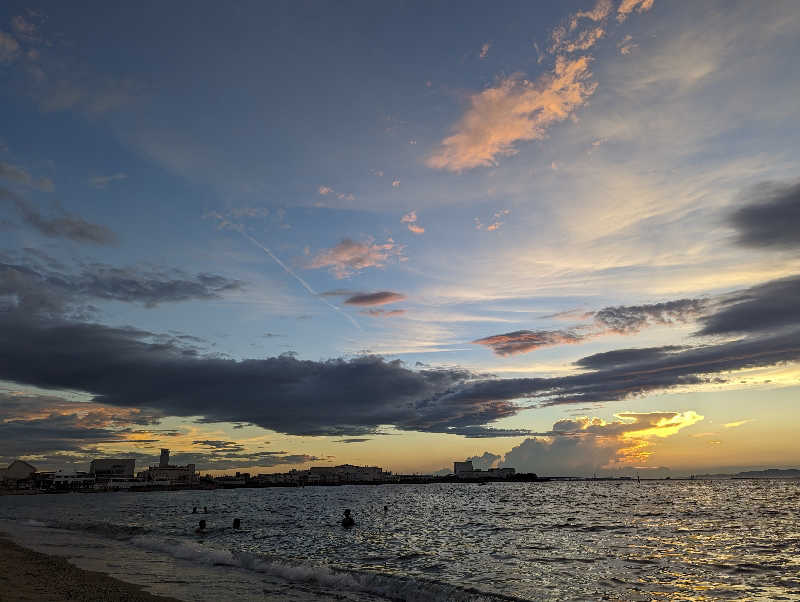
770	218
124	367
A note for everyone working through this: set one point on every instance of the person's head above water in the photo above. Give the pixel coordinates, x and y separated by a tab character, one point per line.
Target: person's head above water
347	512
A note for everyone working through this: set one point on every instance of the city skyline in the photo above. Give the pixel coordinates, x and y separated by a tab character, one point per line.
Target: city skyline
556	237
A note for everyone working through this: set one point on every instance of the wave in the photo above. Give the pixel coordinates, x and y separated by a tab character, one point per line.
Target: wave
390	587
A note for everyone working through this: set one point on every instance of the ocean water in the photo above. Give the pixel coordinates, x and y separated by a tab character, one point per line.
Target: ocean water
670	540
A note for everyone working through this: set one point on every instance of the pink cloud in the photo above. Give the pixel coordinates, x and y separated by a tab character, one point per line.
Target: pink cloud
514	110
485	50
523	341
410	219
626	7
349	256
323	190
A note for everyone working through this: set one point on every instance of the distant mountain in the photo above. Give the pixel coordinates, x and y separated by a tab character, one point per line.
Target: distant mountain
770	473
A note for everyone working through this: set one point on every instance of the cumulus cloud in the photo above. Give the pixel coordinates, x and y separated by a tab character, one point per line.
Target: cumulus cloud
583	446
512	111
410	219
378	298
770	217
349	257
626	7
102	182
61	226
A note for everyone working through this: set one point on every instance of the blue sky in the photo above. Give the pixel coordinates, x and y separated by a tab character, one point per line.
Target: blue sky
506	173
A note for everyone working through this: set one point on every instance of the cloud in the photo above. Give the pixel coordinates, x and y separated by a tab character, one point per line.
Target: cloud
9	48
485	50
621	320
101	182
349	257
324	190
512	111
486	461
620	357
352	440
378	298
63	226
396	183
628	319
335	397
602	9
384	313
21	176
642	374
496	223
410	218
51	291
584	446
626	45
738	423
523	341
771	217
772	306
626	7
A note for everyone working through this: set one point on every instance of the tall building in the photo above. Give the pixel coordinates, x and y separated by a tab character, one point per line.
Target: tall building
164	462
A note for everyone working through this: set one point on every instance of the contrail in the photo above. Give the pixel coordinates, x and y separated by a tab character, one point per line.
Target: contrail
289	271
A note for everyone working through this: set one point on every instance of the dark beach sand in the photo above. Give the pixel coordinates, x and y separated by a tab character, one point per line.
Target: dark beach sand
29	575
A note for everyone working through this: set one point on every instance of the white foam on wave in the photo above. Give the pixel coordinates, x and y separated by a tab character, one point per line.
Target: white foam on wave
327	578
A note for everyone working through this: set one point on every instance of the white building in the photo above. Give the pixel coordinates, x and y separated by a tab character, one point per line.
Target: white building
465	470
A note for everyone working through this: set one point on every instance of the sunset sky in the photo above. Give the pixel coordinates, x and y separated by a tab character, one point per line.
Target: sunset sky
562	237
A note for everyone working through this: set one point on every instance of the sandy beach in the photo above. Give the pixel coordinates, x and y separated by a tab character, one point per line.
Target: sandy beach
29	575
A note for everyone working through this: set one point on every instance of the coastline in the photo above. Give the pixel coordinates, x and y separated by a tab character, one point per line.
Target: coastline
29	575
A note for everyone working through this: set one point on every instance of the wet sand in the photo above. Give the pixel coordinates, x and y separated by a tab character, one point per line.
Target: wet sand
29	575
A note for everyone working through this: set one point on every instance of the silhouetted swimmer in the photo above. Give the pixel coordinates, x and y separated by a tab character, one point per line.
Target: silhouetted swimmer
205	510
347	520
237	523
194	510
386	509
201	528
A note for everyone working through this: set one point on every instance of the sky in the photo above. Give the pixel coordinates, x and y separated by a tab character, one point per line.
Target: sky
561	237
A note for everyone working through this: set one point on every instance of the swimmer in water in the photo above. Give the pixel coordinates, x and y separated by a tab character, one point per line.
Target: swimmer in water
194	510
201	528
347	520
237	523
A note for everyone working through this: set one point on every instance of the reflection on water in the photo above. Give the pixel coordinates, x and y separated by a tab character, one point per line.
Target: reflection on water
692	540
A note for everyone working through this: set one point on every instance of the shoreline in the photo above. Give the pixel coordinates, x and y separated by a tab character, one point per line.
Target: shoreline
29	575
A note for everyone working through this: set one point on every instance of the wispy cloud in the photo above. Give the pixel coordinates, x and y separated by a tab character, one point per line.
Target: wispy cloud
64	225
102	182
18	175
514	110
384	313
349	257
738	423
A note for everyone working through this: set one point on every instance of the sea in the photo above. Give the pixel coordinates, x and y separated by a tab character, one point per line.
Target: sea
557	540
